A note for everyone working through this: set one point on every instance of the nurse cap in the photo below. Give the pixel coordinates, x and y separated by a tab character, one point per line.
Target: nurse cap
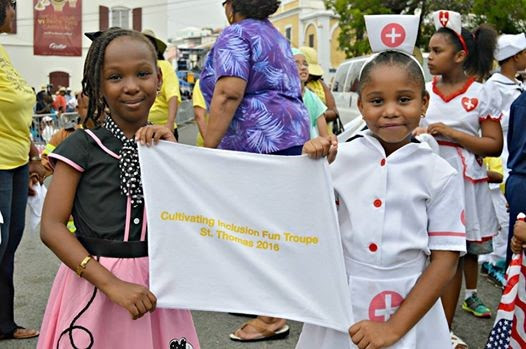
392	33
509	45
451	20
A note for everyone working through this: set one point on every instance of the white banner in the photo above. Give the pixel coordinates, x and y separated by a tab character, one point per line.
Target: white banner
245	233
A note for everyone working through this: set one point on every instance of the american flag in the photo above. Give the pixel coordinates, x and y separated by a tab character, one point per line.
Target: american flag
508	331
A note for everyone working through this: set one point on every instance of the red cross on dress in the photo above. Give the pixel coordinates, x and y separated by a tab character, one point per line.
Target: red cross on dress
384	305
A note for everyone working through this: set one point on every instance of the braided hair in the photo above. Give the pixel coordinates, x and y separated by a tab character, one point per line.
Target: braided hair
481	45
393	58
91	83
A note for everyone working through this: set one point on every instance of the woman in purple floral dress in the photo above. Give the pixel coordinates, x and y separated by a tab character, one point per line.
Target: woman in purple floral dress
251	85
253	93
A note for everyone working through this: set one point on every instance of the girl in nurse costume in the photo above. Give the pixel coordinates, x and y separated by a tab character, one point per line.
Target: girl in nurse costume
464	117
100	296
398	211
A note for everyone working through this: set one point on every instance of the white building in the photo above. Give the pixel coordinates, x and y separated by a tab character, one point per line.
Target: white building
308	23
96	15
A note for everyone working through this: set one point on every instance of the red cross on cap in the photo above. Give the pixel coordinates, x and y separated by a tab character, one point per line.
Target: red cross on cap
444	17
393	35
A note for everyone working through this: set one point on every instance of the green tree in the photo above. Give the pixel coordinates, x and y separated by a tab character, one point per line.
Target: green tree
352	25
506	16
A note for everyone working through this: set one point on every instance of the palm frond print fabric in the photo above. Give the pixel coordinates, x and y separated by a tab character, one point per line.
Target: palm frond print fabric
272	115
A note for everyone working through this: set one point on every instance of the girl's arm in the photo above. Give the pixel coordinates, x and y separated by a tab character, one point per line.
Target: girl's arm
428	288
320	147
489	144
228	93
57	208
321	123
199	116
332	112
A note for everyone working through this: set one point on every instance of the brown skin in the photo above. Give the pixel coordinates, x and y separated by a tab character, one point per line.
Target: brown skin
200	120
495	177
82	106
6	26
129	84
228	93
332	111
517	63
322	147
392	105
519	236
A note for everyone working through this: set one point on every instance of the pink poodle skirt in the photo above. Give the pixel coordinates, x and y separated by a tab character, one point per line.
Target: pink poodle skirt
108	325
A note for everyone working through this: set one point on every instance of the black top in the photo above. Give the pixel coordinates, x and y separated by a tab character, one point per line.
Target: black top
99	209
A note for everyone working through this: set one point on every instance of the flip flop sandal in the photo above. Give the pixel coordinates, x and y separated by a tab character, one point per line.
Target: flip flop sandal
458	343
13	336
266	335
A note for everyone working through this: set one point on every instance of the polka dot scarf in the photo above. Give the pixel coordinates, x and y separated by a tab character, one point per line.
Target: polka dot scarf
130	172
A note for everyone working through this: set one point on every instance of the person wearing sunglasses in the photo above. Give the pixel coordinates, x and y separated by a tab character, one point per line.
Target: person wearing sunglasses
19	160
253	94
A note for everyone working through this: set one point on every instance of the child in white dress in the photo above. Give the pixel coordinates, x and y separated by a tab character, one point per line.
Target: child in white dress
399	217
464	117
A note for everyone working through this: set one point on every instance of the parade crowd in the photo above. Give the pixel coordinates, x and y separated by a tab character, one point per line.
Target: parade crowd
427	193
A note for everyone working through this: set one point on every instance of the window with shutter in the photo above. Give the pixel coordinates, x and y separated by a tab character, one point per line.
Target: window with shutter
104	20
137	19
120	17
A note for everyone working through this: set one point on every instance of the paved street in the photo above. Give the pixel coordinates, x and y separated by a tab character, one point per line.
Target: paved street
36	267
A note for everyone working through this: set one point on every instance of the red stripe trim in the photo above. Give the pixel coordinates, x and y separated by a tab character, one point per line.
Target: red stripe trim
464	169
65	160
446	233
445	98
463	42
102	146
490	118
449	144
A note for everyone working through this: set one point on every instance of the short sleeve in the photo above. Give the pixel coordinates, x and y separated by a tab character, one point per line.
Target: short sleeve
170	86
318	106
445	211
197	96
490	104
73	151
232	54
